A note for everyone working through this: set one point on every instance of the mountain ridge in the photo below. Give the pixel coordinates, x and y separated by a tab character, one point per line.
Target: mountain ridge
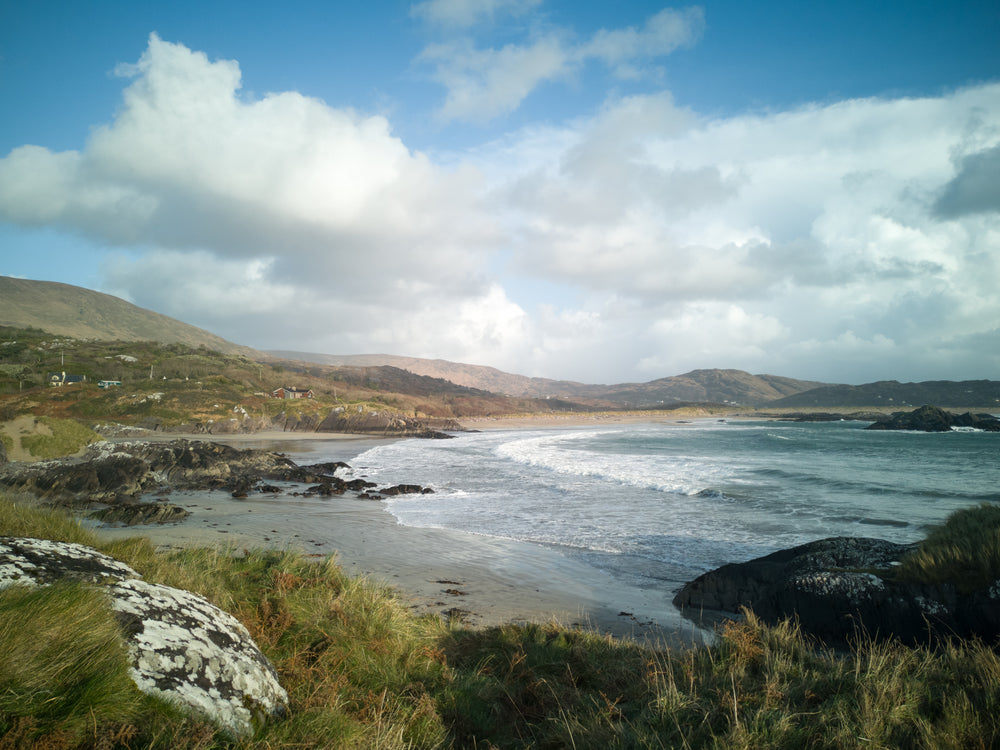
77	312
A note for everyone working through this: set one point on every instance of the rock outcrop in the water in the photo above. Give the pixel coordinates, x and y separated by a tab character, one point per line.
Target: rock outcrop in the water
934	419
840	587
182	648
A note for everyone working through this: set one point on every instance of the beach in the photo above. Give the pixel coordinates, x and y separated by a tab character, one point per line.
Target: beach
481	580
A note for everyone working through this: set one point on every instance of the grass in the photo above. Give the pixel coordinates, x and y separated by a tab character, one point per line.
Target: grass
965	549
362	672
68	437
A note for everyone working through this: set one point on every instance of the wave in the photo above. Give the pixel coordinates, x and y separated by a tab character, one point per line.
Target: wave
564	455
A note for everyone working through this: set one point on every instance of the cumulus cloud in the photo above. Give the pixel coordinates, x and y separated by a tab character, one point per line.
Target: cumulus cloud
188	163
976	187
850	241
485	83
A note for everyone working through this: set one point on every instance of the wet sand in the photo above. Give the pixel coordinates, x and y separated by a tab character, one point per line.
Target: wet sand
482	580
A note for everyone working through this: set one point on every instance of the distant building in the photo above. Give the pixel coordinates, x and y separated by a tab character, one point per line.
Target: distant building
108	383
61	378
288	392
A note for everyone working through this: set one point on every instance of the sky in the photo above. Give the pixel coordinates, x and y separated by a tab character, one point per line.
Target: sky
591	191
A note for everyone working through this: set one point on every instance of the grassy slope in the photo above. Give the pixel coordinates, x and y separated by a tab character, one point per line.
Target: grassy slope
174	384
362	672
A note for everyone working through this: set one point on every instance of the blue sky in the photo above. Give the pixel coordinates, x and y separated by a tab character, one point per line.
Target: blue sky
589	191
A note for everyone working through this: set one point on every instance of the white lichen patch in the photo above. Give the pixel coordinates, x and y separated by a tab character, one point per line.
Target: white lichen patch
855	586
930	606
185	649
35	562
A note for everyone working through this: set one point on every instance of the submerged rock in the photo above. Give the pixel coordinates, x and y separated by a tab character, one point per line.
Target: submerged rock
182	648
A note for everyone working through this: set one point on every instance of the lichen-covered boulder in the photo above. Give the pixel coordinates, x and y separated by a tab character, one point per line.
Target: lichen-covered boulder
183	648
36	562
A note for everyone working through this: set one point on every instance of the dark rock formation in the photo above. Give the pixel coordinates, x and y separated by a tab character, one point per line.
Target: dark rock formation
341	419
120	472
405	489
934	419
182	648
839	587
135	514
357	420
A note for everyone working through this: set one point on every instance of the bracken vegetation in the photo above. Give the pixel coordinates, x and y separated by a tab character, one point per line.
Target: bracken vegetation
362	672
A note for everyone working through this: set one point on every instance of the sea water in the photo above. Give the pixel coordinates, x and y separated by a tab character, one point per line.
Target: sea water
657	504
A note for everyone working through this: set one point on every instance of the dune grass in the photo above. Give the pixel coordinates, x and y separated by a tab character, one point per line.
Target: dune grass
67	437
965	549
362	672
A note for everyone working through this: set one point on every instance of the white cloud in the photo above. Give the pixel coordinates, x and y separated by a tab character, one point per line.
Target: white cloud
849	241
486	83
468	12
666	31
189	164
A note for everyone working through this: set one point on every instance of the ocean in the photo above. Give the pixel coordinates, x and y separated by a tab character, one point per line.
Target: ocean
656	504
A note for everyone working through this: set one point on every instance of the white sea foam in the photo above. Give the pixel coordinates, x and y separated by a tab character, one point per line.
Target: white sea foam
676	500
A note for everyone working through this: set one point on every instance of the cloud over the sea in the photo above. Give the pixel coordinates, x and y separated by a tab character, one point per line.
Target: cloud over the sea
848	241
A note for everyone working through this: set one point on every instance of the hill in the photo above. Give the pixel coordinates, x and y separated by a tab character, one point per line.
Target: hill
78	313
718	386
892	393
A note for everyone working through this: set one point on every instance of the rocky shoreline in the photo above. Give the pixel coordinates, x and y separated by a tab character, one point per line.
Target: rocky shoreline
117	475
342	419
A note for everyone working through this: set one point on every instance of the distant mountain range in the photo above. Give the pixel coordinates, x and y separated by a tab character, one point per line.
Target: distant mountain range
75	312
717	386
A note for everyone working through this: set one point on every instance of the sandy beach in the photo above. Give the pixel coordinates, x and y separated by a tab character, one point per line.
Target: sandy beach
482	580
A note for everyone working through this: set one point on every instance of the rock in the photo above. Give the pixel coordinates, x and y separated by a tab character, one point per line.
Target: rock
3	453
934	419
186	650
36	562
119	472
182	648
402	489
385	422
836	587
136	514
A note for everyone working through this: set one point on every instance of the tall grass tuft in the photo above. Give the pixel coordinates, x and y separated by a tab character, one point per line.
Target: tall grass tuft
30	519
964	550
62	660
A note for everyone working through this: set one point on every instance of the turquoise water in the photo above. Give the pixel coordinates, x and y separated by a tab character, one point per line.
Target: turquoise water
657	504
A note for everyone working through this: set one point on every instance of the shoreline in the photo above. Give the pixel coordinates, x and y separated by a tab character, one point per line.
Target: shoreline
482	581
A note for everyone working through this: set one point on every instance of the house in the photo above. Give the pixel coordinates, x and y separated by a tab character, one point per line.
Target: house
61	378
289	392
108	383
